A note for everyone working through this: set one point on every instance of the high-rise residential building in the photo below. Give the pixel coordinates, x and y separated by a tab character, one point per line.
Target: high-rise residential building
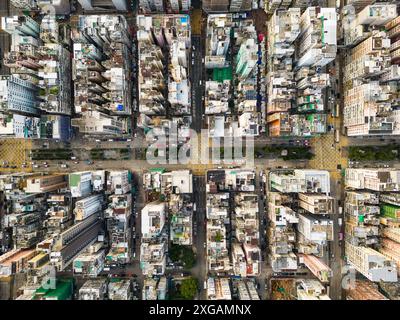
120	5
93	289
372	264
369	101
54	6
48	183
315	229
371	70
153	258
356	25
376	179
215	5
240	5
153	220
317	42
317	204
24	4
80	183
301	180
364	290
218	289
117	216
218	38
246	58
39	55
102	74
18	96
118	182
59	6
151	6
96	122
87	206
160	6
179	5
317	267
21	25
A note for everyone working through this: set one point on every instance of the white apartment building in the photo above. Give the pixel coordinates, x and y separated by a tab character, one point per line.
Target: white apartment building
80	183
218	289
317	204
372	264
120	5
151	6
93	289
18	96
376	179
118	181
87	206
96	122
366	110
315	229
218	39
153	258
153	219
317	37
59	6
301	180
47	183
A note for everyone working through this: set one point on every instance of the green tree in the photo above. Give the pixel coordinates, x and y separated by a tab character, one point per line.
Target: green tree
188	288
188	257
218	237
174	253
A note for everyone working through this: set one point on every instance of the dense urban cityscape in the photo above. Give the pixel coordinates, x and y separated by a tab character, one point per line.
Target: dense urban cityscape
199	150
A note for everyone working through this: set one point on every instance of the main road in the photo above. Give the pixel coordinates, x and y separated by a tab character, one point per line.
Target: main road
199	271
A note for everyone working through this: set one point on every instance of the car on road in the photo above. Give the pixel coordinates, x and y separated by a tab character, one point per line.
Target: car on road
205	245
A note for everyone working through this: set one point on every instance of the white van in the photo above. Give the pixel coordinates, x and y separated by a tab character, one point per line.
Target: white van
337	135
